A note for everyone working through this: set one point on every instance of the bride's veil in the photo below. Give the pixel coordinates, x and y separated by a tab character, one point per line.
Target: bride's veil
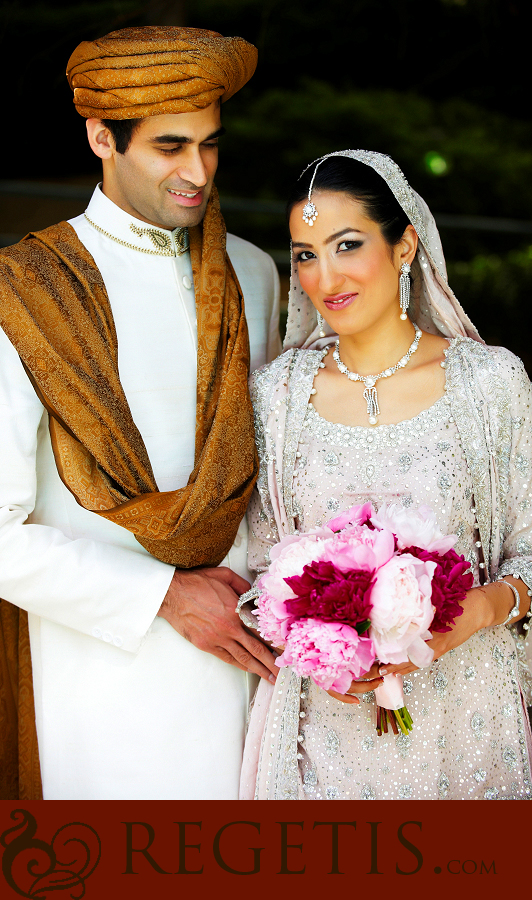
433	306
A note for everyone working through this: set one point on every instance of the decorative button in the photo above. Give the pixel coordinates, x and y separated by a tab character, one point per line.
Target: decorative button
97	632
107	636
187	282
117	641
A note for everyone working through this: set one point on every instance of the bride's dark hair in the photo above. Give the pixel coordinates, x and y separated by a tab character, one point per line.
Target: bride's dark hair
349	176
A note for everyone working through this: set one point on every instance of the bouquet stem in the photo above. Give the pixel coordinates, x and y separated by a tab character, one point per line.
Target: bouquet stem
394	718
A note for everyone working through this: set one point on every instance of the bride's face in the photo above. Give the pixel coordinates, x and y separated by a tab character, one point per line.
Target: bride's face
349	271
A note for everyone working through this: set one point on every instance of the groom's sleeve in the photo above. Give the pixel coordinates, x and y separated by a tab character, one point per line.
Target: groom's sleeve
91	586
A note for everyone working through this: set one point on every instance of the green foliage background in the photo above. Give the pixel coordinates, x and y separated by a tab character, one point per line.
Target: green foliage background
408	79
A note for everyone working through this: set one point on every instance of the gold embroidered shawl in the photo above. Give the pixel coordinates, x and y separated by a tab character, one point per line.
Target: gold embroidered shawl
55	310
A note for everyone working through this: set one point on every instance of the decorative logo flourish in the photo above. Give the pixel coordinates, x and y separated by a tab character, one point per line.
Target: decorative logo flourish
34	868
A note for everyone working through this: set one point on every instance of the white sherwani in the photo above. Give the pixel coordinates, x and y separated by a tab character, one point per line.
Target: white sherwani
125	707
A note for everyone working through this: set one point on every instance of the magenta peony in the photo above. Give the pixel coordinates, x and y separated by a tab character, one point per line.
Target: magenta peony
324	592
451	580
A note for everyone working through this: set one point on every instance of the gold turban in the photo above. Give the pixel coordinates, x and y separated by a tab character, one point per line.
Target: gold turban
154	70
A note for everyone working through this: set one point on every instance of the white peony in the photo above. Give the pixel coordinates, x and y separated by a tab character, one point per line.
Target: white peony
414	527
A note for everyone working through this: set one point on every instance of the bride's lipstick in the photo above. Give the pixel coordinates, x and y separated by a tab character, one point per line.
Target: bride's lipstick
339	301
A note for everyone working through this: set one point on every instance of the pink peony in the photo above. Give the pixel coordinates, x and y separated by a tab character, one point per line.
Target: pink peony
413	527
273	618
402	610
359	547
289	557
324	592
331	653
451	580
357	515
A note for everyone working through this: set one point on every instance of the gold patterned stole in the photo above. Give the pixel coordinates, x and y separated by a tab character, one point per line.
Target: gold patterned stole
55	310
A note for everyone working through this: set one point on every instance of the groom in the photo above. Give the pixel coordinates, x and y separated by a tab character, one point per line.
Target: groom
127	456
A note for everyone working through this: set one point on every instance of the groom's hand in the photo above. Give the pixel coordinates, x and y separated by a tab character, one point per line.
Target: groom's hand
200	604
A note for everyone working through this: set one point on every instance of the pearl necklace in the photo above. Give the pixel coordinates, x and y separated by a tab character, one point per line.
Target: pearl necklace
370	393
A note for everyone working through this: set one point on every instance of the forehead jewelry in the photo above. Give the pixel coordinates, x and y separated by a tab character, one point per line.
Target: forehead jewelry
370	393
310	213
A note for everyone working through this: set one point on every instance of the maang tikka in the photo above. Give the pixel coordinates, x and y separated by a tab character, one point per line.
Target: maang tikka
310	213
404	289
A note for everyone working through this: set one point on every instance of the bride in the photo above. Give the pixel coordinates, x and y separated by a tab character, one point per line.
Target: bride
387	393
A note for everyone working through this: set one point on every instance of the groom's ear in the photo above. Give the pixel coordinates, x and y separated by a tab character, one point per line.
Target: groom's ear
100	139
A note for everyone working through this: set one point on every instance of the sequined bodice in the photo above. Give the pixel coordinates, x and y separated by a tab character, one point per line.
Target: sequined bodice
416	462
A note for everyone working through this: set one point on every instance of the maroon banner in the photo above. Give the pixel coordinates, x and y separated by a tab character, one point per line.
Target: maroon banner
151	849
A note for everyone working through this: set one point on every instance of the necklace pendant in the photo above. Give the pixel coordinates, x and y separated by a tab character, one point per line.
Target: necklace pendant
372	403
370	394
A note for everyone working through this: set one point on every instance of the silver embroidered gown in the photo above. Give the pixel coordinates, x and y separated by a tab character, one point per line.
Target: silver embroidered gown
471	738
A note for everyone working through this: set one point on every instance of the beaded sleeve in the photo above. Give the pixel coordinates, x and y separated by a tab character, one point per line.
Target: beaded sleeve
491	399
263	530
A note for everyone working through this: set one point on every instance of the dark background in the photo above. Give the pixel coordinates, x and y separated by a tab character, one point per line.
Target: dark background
440	85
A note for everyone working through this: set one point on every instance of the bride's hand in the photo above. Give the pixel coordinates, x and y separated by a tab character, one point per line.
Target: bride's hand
369	681
483	607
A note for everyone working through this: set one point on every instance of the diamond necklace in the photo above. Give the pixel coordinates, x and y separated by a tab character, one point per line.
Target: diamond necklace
370	393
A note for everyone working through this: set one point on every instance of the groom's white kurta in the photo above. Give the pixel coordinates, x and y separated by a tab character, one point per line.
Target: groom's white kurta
125	707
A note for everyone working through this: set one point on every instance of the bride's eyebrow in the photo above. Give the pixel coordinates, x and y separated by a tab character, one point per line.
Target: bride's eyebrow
339	234
329	240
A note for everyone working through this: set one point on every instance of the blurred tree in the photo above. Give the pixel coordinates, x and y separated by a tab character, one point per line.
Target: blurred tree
442	48
496	291
437	84
487	156
43	134
166	12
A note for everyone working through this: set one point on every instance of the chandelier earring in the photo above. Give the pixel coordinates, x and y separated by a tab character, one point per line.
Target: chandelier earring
404	290
320	324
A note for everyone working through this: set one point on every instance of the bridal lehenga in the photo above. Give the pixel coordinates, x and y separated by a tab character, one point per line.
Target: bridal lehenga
469	457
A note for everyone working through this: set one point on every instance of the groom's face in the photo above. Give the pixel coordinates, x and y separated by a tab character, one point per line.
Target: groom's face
166	174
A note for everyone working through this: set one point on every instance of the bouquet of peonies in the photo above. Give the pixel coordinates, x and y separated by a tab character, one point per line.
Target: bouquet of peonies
367	586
